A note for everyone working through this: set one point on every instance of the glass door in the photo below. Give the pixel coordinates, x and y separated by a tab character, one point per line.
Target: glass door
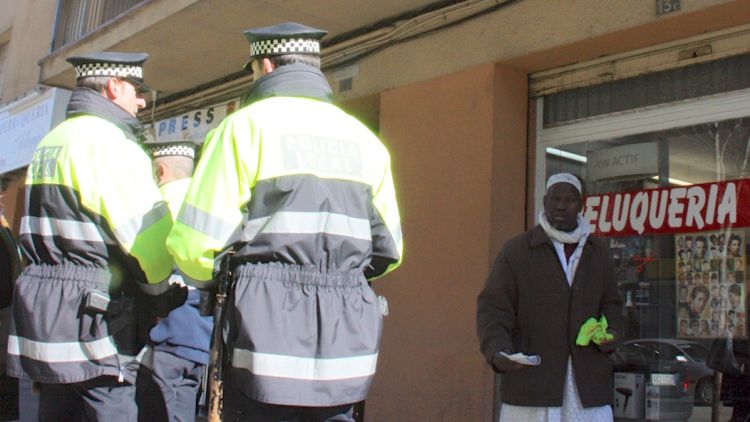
669	186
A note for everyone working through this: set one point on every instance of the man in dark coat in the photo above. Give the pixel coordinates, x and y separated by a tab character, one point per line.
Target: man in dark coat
10	266
544	285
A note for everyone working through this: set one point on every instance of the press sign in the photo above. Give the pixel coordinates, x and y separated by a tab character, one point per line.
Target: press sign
193	124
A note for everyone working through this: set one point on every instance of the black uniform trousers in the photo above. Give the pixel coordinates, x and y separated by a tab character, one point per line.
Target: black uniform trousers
168	390
98	399
237	407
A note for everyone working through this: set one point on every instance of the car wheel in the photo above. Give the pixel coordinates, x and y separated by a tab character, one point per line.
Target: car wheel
704	392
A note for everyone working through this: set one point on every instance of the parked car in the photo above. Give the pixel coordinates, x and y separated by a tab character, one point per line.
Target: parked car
689	352
662	395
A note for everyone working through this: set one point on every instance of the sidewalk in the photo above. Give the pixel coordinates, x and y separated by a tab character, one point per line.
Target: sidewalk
703	414
700	414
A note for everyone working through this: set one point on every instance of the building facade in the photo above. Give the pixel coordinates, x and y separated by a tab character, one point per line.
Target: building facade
478	101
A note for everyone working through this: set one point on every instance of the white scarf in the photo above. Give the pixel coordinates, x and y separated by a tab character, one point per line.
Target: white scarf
578	236
565	237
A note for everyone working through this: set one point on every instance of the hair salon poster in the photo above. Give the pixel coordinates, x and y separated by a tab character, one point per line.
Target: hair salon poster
710	284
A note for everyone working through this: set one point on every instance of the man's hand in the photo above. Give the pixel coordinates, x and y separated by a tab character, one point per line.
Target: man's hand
162	304
608	346
504	365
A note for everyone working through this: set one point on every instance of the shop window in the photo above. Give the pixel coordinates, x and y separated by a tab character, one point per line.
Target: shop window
667	180
674	206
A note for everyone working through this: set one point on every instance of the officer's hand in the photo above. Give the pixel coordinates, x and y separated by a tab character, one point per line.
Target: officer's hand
162	304
504	365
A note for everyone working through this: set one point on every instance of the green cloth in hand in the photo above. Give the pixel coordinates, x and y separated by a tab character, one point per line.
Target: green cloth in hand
593	330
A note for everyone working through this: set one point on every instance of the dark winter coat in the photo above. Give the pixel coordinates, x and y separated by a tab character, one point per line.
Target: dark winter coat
527	306
10	266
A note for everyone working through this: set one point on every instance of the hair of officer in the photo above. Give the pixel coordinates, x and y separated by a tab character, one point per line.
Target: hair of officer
181	166
284	59
97	83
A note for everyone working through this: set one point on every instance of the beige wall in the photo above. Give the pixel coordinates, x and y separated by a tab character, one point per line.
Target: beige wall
509	157
30	40
7	10
536	31
28	30
452	140
535	35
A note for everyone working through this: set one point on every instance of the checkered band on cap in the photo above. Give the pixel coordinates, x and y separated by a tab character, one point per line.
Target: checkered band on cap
284	46
109	69
165	150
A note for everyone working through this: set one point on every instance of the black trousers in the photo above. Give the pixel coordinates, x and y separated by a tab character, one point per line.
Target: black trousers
740	412
240	408
168	391
99	399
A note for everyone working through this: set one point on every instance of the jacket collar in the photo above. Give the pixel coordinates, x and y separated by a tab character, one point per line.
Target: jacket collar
87	101
292	80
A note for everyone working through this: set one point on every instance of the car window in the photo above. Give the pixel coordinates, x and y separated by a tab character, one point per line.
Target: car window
640	353
651	349
668	352
698	352
632	354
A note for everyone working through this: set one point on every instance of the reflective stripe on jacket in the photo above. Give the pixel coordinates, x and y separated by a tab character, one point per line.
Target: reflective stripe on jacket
95	221
54	339
300	337
315	190
92	204
304	193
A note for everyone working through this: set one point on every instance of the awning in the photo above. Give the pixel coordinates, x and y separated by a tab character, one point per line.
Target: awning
25	122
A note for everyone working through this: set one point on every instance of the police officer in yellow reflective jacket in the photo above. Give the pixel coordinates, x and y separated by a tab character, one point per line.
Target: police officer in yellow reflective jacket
303	192
173	364
93	231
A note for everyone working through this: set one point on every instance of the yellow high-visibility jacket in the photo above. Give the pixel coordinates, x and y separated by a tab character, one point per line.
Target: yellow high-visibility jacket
92	200
94	223
292	180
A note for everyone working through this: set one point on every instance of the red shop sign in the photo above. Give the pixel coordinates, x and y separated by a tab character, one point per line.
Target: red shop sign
708	206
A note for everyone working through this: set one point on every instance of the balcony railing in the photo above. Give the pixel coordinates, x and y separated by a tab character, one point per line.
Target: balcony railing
78	18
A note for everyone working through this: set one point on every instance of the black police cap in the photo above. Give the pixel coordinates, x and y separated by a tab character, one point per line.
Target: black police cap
127	66
172	147
284	38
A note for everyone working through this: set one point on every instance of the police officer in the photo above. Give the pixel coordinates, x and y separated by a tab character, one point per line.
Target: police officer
94	225
303	192
174	363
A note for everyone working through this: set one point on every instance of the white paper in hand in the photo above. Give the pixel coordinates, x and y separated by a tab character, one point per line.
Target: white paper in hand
533	360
